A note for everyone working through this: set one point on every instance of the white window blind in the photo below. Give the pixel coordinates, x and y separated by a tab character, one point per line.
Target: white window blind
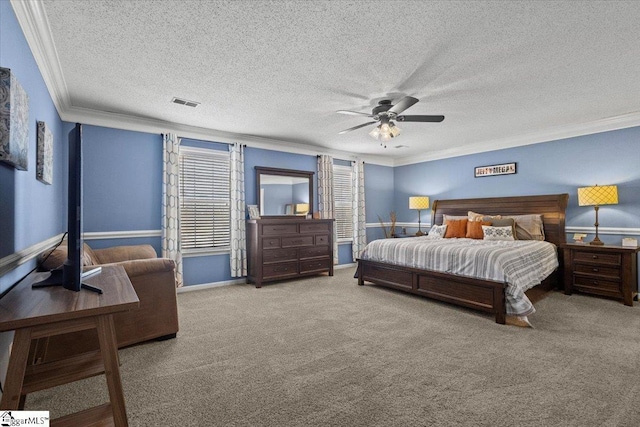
343	196
204	199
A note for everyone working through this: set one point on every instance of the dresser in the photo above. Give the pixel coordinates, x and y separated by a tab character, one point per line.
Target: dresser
610	271
284	248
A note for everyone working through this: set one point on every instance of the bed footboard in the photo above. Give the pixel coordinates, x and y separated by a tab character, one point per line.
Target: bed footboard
482	295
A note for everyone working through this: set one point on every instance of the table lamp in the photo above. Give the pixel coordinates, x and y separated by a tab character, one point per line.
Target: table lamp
419	203
597	196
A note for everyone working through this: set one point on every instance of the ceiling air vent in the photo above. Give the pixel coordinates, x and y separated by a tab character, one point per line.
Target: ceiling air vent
185	102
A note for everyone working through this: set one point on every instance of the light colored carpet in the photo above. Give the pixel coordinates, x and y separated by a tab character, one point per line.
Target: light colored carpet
325	352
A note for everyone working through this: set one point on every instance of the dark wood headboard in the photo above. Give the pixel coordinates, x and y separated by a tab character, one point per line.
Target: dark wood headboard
552	207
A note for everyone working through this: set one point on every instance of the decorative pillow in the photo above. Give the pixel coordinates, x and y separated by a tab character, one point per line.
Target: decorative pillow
456	228
58	256
528	227
497	233
505	222
474	229
437	231
446	218
474	216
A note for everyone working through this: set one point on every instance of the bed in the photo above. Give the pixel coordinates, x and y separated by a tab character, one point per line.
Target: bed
480	294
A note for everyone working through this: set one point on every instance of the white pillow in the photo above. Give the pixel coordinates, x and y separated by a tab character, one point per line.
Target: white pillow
437	231
497	233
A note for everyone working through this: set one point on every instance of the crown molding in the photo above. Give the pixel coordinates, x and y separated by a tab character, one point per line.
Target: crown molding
35	26
151	125
560	132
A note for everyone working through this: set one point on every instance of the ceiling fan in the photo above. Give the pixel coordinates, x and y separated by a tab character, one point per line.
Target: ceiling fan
386	113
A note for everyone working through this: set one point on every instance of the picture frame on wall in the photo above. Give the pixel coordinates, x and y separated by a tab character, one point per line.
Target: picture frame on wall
44	158
14	121
494	170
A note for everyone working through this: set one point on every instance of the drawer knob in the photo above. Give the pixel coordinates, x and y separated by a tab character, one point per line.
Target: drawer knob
595	257
596	270
595	282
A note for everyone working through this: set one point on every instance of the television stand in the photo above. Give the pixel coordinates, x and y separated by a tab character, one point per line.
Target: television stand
40	313
57	279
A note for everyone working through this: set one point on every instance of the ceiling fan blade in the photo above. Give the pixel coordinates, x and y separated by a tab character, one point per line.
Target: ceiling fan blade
353	113
355	127
403	104
432	119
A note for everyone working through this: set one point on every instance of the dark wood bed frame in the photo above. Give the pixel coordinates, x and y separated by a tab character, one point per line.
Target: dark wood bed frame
484	295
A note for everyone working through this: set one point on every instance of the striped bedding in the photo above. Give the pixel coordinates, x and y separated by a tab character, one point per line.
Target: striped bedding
522	264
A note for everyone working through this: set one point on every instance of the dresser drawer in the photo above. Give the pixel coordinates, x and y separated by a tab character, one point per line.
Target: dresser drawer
314	227
295	241
594	284
598	270
279	255
322	240
597	257
270	242
315	265
278	229
283	269
314	252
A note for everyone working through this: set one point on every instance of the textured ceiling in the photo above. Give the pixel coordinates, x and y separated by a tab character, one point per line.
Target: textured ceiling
502	73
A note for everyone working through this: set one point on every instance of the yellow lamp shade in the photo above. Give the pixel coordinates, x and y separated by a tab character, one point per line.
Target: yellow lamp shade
302	208
598	195
419	202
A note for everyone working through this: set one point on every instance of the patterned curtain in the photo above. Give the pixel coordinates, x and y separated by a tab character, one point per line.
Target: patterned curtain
238	227
171	203
326	203
358	207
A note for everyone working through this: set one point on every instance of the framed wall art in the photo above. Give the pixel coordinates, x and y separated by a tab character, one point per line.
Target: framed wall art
14	121
44	158
493	170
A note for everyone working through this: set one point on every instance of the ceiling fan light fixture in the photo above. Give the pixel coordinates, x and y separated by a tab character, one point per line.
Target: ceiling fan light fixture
385	131
394	130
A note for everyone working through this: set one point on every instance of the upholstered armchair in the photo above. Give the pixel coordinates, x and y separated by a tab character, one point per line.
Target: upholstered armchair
152	278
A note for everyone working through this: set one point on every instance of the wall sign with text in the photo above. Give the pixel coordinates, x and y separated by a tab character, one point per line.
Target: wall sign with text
493	170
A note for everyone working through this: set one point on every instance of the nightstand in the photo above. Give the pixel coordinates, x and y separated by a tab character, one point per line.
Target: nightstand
608	270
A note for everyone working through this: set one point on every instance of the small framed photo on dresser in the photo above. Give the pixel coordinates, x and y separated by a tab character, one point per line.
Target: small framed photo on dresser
254	212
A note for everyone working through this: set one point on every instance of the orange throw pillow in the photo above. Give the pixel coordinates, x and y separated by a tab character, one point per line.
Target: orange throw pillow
474	229
456	228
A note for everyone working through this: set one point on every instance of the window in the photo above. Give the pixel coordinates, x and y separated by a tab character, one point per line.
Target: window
343	195
204	199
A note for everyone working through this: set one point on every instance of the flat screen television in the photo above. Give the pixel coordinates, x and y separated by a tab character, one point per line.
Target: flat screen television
70	275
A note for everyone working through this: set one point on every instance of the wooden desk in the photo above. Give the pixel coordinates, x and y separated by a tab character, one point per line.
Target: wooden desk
39	313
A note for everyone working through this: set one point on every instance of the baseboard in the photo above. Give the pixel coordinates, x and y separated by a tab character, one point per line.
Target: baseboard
240	281
202	286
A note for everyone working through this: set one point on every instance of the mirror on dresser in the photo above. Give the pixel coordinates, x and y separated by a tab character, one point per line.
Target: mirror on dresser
284	192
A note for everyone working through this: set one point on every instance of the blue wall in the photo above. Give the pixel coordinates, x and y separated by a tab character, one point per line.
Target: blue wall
31	211
379	196
122	180
548	168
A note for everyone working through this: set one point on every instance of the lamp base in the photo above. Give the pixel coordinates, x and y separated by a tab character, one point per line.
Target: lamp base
596	242
419	233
